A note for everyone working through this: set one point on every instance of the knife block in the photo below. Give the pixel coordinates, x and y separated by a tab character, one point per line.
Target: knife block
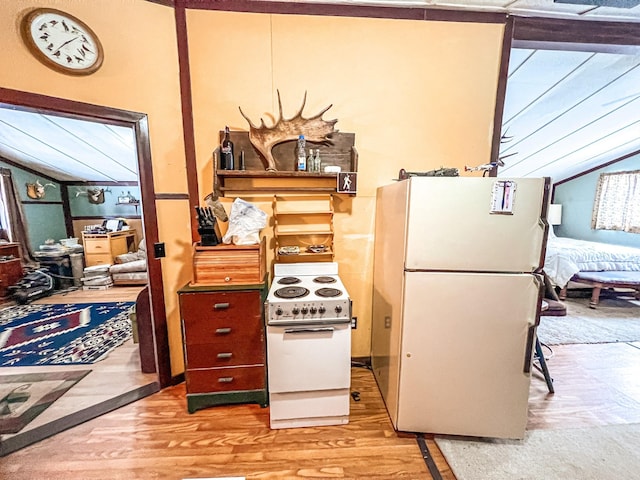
208	237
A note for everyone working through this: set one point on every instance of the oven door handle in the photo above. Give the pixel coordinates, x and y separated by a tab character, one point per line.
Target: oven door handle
309	330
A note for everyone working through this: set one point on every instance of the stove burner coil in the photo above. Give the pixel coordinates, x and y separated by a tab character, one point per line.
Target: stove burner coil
288	280
328	292
291	292
324	280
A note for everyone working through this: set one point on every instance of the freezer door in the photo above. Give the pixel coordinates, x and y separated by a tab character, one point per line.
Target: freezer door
465	353
453	225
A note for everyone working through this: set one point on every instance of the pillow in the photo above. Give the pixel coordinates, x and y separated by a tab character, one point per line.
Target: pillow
136	266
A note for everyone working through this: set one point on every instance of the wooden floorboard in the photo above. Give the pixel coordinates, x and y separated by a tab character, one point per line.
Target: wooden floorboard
155	438
113	380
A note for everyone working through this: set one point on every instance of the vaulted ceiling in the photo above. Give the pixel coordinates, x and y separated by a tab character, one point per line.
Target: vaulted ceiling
67	149
568	112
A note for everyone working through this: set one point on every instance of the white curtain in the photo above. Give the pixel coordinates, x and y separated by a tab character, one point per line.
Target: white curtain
617	202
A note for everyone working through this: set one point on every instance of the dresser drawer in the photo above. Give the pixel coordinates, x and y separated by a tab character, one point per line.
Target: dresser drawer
225	355
98	245
94	259
225	332
215	317
225	379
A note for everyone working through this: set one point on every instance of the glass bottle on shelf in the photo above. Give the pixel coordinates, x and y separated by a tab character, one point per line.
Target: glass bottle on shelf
226	152
310	161
316	161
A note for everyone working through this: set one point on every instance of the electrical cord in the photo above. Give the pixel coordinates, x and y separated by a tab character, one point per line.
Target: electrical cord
544	345
360	365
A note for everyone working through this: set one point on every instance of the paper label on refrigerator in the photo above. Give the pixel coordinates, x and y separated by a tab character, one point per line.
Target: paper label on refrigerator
503	195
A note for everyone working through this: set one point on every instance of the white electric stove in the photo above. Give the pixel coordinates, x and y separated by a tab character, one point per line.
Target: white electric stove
308	316
307	293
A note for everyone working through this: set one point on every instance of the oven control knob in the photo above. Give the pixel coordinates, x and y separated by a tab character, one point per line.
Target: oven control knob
313	310
295	310
305	310
322	309
338	308
278	311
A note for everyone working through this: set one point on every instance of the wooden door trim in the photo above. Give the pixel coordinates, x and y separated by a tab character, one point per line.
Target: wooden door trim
138	121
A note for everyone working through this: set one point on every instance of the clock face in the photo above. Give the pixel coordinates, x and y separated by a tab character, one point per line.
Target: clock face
62	42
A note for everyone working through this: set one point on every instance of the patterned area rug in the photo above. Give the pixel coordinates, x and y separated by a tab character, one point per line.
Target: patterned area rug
25	396
43	334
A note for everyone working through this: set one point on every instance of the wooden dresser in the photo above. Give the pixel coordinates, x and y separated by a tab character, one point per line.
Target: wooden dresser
224	344
103	248
10	266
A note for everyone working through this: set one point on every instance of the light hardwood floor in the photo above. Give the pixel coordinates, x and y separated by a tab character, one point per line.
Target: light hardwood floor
155	438
111	378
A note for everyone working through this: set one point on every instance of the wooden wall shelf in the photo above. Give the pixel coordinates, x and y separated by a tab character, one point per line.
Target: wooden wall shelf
301	221
255	178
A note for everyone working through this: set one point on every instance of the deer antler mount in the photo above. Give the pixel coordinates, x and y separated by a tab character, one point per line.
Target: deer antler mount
264	138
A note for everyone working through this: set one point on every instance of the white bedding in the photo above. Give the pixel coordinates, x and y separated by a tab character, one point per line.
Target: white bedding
566	256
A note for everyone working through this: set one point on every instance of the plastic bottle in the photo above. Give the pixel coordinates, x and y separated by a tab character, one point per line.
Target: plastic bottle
301	164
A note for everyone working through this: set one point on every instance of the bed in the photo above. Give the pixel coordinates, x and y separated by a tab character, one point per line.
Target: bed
596	264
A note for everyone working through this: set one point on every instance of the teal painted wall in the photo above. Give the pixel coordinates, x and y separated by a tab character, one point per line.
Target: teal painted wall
81	207
44	220
577	197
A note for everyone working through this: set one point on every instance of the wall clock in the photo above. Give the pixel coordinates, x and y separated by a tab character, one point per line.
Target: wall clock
62	42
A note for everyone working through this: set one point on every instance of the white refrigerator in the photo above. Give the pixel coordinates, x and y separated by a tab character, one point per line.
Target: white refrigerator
456	301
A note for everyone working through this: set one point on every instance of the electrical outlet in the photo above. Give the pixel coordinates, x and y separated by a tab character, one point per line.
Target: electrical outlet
354	322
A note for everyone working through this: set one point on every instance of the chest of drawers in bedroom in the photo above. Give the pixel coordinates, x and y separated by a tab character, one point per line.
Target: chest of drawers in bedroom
224	345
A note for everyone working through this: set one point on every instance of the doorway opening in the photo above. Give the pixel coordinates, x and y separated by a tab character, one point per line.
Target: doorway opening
152	361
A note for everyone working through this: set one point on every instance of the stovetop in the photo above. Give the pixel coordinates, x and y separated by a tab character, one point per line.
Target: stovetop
307	293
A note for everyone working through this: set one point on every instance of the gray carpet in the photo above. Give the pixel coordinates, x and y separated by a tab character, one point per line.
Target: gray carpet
617	319
595	453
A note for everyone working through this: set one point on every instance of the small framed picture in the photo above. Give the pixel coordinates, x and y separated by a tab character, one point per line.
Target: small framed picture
347	182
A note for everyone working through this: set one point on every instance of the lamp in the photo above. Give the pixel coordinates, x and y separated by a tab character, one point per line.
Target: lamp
554	214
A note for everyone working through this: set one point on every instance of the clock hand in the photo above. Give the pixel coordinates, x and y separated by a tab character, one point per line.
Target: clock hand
65	43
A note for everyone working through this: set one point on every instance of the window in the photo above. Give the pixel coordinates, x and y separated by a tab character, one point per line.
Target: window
617	202
4	214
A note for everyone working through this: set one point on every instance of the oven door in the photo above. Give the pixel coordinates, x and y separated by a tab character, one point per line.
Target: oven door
309	357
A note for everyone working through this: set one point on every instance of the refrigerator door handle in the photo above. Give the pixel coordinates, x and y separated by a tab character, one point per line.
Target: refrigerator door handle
528	351
538	279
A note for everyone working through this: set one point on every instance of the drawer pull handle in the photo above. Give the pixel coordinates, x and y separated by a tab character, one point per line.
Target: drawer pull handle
225	355
227	279
223	330
221	306
225	380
